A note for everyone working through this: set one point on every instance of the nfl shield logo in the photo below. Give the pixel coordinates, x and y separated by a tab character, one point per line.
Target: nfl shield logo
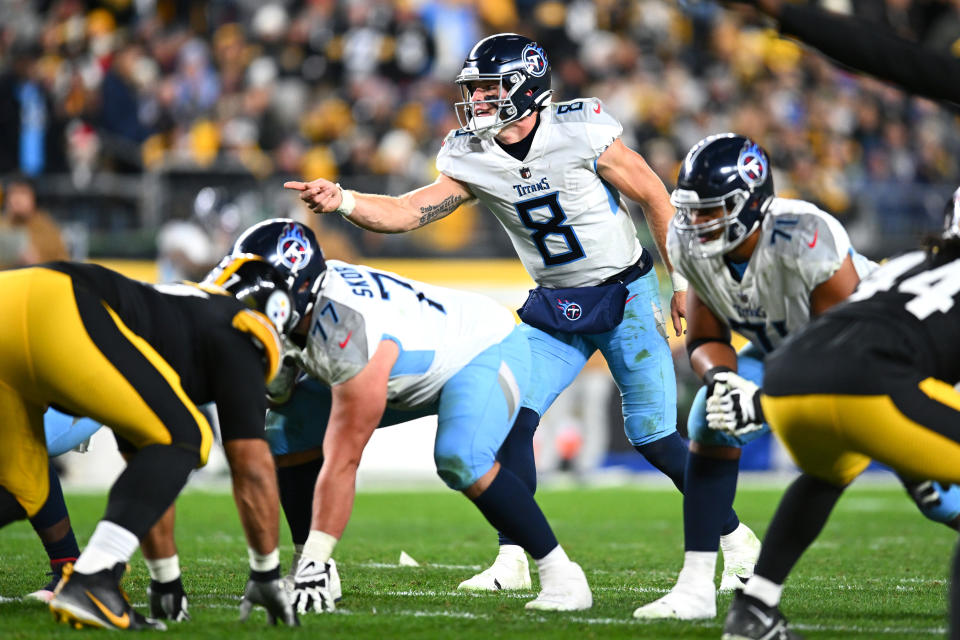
525	172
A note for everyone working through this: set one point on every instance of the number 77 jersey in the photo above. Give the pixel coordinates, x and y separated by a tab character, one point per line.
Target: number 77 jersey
438	330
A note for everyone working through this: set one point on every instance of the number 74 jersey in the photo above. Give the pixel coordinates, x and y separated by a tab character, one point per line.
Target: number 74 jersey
438	330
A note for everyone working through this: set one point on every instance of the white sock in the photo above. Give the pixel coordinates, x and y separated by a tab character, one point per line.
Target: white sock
763	590
552	561
698	567
109	544
733	538
164	569
511	551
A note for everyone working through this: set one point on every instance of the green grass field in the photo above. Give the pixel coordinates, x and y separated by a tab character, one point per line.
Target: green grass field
878	571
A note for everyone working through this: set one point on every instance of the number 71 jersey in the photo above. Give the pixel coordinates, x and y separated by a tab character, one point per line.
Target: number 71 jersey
438	330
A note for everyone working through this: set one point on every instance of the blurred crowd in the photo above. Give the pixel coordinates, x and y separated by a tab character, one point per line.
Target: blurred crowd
355	90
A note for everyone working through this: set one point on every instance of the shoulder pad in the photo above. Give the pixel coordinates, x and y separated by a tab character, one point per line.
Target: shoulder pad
582	110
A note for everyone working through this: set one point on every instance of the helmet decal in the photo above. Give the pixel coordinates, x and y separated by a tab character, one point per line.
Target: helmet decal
293	248
278	309
535	60
752	165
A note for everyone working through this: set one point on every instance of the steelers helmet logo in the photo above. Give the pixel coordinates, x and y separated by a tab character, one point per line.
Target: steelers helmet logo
278	309
293	248
534	59
752	165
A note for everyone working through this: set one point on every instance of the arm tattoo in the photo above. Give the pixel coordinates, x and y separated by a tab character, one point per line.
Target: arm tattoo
434	211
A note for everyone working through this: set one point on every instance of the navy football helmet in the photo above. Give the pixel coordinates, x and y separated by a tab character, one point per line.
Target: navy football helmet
257	284
728	171
522	71
293	249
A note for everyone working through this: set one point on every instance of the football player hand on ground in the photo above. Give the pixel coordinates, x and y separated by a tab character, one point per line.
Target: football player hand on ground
733	404
269	594
316	586
168	601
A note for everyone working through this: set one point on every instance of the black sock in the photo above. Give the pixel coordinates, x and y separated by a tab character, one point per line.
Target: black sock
801	516
296	496
516	454
711	484
154	477
669	455
54	511
10	509
509	506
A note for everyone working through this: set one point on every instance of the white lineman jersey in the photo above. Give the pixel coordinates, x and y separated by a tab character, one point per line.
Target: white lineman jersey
569	227
799	247
438	330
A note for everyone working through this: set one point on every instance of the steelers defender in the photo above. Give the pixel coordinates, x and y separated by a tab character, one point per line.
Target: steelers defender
762	266
555	176
393	349
871	379
140	358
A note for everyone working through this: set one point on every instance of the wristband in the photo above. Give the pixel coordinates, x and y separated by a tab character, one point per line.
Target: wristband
319	546
164	569
679	282
708	376
262	562
347	202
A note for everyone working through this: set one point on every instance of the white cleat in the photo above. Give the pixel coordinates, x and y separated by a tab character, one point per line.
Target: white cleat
565	589
684	602
741	548
510	571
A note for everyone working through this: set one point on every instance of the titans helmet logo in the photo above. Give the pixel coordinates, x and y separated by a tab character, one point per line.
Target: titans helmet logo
293	248
534	59
571	310
752	165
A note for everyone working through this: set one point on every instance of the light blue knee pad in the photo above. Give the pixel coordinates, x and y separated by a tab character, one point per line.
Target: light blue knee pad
65	433
749	366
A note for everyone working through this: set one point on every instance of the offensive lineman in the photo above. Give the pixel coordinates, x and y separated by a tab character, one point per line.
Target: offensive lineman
380	340
140	359
553	175
763	266
901	326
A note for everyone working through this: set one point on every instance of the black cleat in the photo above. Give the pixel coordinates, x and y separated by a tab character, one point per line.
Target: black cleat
96	600
751	619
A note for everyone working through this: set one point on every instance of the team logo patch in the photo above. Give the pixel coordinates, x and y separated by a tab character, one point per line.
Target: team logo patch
525	172
278	309
293	248
752	165
571	310
535	60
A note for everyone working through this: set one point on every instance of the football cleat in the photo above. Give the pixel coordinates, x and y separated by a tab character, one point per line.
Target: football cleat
45	594
686	601
741	548
751	619
564	589
168	600
96	600
510	571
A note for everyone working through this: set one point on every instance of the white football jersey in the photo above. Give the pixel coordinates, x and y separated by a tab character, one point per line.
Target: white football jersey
569	227
438	330
799	247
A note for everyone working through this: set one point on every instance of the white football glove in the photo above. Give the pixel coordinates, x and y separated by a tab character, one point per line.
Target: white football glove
316	587
733	405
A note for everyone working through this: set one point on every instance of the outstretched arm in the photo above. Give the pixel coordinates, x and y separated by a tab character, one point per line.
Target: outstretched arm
385	214
626	170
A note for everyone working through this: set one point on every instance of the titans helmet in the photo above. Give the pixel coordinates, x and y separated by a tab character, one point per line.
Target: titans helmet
257	284
520	69
293	249
727	171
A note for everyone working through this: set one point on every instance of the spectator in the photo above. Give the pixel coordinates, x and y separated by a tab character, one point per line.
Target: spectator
27	234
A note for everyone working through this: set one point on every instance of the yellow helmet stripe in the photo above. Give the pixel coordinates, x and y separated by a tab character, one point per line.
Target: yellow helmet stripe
260	327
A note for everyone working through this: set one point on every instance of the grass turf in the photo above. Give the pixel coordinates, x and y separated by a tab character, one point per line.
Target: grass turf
878	571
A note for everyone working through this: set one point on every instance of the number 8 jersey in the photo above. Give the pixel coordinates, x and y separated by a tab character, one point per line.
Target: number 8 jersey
569	227
438	331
